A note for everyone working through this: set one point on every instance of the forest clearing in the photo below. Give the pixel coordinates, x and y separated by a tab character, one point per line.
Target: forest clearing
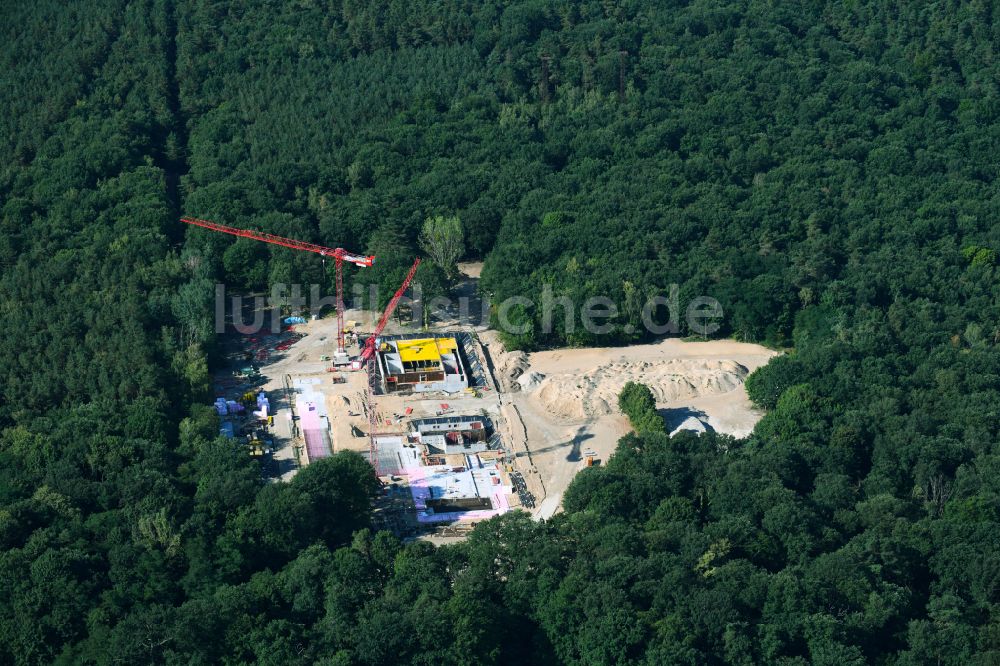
554	410
610	480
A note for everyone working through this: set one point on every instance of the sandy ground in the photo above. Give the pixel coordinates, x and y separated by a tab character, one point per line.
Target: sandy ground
471	269
566	400
553	409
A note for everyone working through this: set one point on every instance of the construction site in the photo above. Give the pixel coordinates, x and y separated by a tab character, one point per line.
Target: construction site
457	428
422	364
430	434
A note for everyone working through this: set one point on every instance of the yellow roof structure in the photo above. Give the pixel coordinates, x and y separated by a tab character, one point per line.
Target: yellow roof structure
425	349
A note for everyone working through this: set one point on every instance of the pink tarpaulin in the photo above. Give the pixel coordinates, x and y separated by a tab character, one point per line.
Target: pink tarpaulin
424	479
312	430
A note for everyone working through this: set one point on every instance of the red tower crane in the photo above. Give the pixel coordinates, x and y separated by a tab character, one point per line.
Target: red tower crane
368	358
369	350
340	255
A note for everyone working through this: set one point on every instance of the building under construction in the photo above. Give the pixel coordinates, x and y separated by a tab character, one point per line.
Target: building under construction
422	363
450	440
453	467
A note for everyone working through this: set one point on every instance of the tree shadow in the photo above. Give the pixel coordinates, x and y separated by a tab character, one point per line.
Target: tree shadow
465	307
282	466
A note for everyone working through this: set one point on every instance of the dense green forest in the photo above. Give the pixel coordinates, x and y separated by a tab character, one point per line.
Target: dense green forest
827	171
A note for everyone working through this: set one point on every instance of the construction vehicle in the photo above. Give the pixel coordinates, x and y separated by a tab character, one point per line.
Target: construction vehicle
340	255
258	449
248	372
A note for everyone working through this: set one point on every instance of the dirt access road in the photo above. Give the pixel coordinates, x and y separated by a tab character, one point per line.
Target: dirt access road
564	402
552	408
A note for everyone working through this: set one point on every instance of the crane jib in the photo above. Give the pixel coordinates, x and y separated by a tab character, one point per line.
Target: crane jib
339	253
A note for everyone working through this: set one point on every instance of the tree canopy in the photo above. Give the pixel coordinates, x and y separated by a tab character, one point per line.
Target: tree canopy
826	171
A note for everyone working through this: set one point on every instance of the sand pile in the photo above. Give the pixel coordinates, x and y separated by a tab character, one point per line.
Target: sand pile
529	381
509	368
595	392
690	424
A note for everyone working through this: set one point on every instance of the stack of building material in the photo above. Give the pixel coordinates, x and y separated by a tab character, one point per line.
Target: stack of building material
263	406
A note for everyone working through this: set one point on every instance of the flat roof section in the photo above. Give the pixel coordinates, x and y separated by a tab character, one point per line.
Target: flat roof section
394	457
442	483
447	423
424	349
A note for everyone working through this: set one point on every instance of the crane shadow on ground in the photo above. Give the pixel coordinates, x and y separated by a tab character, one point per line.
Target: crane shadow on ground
581	436
574	446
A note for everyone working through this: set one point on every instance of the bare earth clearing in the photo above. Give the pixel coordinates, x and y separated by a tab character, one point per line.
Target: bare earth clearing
567	399
552	408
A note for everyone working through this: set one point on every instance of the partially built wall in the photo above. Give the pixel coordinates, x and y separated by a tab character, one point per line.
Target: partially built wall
422	363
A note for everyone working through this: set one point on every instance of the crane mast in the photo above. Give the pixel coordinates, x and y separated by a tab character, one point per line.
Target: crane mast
369	348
